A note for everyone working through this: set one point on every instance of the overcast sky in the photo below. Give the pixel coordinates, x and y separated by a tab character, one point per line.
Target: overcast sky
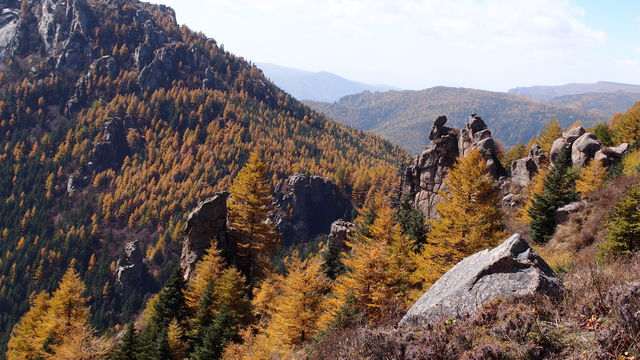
416	44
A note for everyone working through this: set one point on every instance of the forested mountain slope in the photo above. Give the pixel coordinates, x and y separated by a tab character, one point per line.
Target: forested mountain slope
403	116
546	93
606	104
114	123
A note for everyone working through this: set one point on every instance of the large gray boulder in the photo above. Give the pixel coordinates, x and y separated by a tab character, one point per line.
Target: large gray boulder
573	134
584	149
511	269
523	170
340	231
556	148
564	212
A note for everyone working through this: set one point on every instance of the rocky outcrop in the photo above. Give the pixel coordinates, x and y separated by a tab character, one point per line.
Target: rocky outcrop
563	213
110	152
130	270
511	269
423	179
586	146
523	170
340	231
611	155
205	223
584	149
9	21
306	206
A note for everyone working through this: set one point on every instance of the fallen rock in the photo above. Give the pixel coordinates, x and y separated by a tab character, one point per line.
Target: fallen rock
564	212
584	149
205	223
511	269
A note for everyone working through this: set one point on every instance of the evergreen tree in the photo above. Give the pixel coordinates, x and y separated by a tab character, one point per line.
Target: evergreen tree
412	221
332	260
249	210
559	190
624	226
127	350
469	219
171	301
216	336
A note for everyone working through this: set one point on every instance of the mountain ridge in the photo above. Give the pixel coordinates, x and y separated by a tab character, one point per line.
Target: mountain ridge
399	115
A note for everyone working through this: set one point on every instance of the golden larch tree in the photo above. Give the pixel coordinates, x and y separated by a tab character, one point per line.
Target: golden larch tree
591	179
469	219
249	210
549	134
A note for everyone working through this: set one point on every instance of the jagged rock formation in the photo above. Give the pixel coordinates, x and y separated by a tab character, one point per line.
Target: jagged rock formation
523	170
340	231
205	223
610	155
511	269
586	146
423	179
306	206
130	270
110	152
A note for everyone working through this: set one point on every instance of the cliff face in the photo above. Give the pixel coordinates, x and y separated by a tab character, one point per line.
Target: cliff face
306	207
424	178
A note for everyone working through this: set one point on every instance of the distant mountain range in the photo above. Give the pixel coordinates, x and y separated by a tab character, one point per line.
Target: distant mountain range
405	117
603	97
316	86
546	93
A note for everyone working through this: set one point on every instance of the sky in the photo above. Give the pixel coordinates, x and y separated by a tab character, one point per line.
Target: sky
415	44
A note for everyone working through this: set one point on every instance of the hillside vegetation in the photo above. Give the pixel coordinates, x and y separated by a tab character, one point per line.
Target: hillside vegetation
116	127
405	117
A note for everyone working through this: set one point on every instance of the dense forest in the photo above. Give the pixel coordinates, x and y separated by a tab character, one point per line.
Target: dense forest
604	103
115	123
105	141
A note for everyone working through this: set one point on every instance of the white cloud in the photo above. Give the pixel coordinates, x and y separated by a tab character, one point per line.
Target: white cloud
636	49
627	63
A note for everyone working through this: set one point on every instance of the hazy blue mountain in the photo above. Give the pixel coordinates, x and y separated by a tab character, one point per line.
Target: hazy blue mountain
317	86
603	103
546	93
405	117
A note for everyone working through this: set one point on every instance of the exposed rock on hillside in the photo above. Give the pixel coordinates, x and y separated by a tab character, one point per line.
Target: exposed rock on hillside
306	206
340	231
423	179
130	270
564	212
207	222
523	170
511	269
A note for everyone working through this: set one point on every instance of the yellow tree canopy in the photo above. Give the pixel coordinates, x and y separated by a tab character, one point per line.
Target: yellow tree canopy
249	209
626	128
469	219
548	135
592	178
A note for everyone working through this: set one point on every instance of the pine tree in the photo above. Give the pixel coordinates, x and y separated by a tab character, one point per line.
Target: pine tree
624	226
536	187
216	336
591	179
412	221
332	260
249	210
548	135
469	219
559	190
127	350
171	301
